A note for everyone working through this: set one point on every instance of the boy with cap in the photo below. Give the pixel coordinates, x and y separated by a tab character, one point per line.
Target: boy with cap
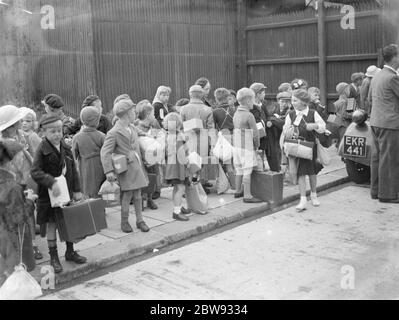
86	147
54	158
246	142
122	139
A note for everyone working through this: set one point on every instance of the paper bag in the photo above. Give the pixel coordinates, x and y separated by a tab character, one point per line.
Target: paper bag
63	199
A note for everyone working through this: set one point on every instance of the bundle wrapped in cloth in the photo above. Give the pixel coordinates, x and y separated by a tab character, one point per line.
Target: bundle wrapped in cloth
152	151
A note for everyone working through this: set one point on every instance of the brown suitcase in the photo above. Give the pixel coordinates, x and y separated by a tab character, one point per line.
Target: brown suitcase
268	186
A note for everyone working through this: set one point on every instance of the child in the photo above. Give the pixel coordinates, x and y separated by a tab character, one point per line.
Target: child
176	157
86	146
122	139
315	103
28	128
246	142
146	123
160	103
54	158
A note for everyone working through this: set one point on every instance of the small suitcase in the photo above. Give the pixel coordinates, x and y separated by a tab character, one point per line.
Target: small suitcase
82	219
268	186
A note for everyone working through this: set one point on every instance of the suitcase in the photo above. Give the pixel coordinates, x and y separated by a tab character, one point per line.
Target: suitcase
82	219
268	186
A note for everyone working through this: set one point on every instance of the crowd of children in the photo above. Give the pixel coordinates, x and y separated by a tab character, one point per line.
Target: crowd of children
32	156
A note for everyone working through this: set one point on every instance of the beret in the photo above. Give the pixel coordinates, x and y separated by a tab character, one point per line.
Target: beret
53	101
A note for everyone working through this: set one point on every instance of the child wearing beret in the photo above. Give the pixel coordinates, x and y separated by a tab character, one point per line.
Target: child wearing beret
86	147
122	139
54	158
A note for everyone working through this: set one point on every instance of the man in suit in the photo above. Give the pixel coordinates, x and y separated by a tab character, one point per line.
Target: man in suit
384	122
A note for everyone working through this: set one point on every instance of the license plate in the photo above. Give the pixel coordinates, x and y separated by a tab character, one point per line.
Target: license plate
355	146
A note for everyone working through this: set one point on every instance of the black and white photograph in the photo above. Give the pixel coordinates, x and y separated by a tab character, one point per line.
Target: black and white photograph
199	155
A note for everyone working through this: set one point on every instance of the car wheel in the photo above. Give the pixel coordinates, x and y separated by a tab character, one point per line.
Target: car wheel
357	172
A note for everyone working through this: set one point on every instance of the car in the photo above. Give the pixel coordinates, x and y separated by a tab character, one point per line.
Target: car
355	148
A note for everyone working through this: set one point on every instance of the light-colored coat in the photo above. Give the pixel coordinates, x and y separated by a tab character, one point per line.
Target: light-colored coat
122	142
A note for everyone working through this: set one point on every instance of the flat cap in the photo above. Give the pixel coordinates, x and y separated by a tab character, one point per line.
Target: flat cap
284	95
356	76
49	119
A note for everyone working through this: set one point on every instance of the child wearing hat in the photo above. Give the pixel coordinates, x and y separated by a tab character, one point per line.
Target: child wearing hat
176	172
86	147
122	139
245	142
304	122
54	158
148	124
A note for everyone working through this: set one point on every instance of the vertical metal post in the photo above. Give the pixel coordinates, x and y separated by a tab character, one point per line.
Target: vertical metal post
321	32
241	53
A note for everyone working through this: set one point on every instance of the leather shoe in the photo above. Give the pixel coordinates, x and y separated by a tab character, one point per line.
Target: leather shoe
389	200
75	257
238	195
374	197
207	191
207	185
156	195
185	211
37	254
180	217
126	227
151	204
142	226
252	200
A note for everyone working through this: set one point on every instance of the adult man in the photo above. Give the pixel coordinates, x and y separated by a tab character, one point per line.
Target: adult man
384	122
365	87
196	109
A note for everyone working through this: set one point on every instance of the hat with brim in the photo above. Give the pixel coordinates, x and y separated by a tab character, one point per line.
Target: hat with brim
341	87
372	71
10	115
284	95
11	147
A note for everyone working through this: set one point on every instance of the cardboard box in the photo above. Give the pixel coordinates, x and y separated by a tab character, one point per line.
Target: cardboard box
268	186
119	161
82	219
193	124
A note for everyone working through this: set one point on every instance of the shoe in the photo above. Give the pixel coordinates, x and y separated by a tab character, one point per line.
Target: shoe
239	194
315	201
156	195
151	204
252	200
207	191
301	206
75	257
374	197
389	200
207	185
54	260
142	226
126	227
180	217
37	254
185	211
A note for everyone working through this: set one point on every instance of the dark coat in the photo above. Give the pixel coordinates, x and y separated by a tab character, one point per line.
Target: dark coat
355	94
103	126
223	117
260	116
47	165
160	111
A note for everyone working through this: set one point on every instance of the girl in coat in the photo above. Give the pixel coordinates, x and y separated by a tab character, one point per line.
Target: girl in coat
176	159
13	215
122	139
160	103
86	147
304	122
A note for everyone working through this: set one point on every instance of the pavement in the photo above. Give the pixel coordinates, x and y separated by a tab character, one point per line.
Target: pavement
112	246
345	249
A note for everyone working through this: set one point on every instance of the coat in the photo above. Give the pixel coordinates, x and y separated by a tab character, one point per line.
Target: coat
86	147
223	117
160	111
260	116
245	131
364	94
103	126
176	157
385	100
122	142
47	165
13	215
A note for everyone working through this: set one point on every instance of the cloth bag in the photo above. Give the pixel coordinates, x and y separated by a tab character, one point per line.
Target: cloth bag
299	148
222	182
223	149
260	165
323	156
110	193
197	200
151	150
20	285
194	162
